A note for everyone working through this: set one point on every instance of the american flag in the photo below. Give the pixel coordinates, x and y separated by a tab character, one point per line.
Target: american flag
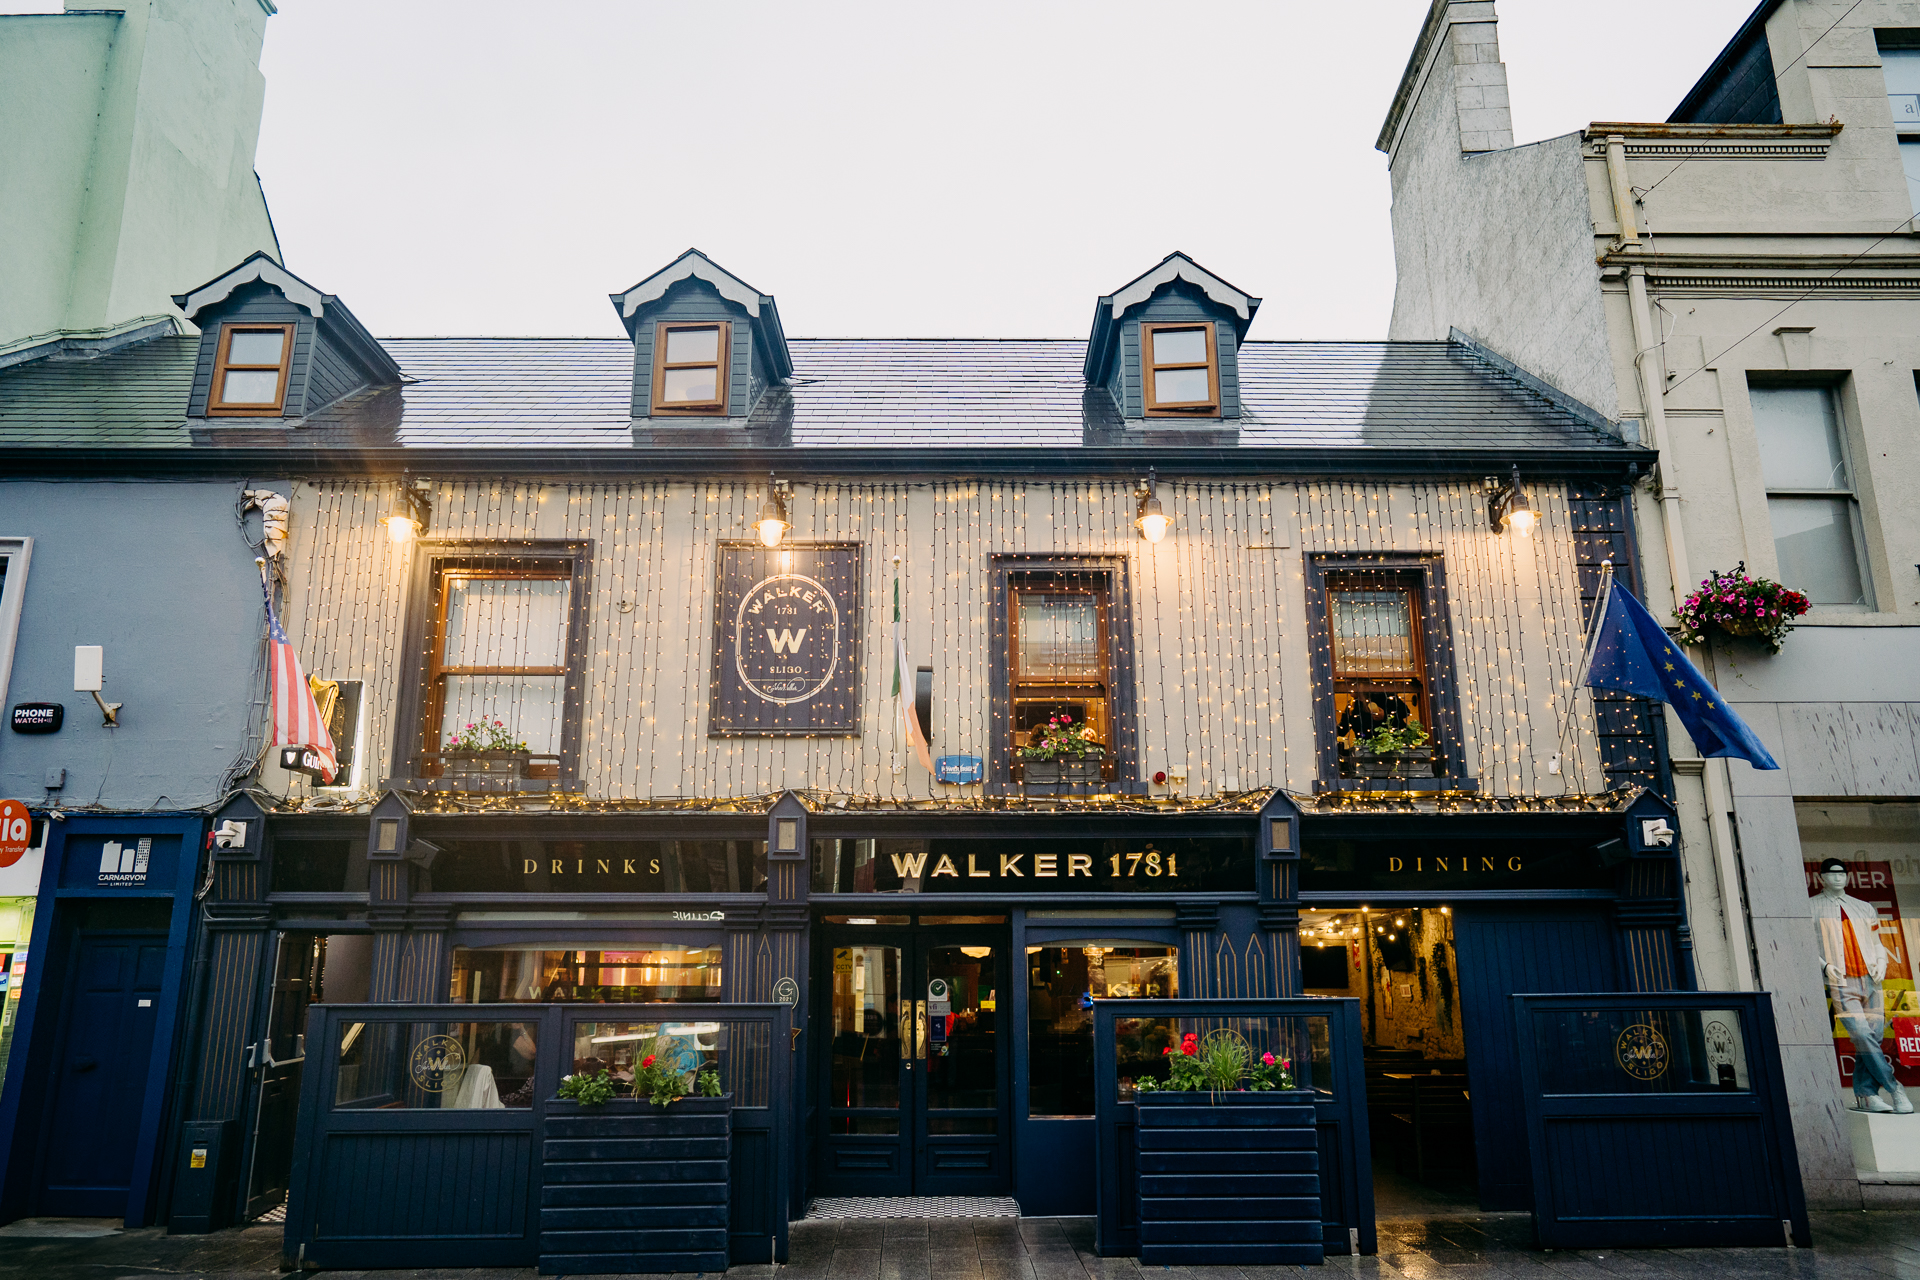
296	717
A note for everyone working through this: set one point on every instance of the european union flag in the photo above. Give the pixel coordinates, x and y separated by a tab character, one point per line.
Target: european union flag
1634	654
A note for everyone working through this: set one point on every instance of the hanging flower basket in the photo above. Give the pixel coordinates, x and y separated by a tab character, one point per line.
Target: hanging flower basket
1735	604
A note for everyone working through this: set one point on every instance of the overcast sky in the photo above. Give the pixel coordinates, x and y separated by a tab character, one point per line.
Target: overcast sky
474	167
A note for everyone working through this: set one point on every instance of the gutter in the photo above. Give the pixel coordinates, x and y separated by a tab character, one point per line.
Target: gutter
1601	463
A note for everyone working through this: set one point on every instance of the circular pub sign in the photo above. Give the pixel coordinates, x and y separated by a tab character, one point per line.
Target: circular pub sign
1642	1052
786	638
16	832
433	1060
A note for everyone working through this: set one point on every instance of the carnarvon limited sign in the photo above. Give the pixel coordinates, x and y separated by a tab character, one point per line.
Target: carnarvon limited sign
786	640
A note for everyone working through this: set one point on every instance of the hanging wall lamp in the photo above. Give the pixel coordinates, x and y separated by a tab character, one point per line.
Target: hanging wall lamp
1151	518
1509	508
411	511
772	524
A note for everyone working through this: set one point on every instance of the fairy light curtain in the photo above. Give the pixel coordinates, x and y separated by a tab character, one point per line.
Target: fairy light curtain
1215	612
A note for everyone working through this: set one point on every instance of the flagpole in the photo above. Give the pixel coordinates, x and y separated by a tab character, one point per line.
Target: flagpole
1599	619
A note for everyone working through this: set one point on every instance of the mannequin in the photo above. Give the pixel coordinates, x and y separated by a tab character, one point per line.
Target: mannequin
1855	964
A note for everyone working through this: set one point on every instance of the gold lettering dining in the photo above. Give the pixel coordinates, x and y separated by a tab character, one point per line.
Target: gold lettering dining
1046	864
1010	865
653	865
972	870
531	867
1513	863
1394	864
1080	864
626	868
945	867
1486	864
909	866
1440	864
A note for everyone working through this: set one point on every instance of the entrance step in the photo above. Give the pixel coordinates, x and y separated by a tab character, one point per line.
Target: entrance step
855	1207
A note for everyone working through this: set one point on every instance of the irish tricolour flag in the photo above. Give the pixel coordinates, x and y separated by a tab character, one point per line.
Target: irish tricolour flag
906	724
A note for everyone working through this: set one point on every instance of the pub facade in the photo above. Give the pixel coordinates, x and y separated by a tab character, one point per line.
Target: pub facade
929	692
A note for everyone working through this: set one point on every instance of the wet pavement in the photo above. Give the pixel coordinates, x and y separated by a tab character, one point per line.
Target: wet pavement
1877	1245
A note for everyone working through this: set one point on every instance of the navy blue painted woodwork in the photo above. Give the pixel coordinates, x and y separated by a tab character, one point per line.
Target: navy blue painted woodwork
1690	1146
400	1187
1337	1156
1175	302
100	1073
1541	948
631	1187
695	299
1228	1178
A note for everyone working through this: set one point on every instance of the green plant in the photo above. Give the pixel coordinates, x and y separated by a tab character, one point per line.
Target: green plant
1219	1065
484	735
1740	605
1387	740
587	1090
707	1084
657	1084
1060	739
1270	1073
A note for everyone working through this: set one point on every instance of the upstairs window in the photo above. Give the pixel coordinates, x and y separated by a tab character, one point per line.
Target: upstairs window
500	652
1379	660
1810	497
1900	65
1058	664
1182	369
690	368
250	370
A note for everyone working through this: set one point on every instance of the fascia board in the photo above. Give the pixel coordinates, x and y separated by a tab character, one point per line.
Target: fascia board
261	268
1182	268
655	286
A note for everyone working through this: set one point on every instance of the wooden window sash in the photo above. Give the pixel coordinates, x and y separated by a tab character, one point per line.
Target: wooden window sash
720	365
1179	408
216	407
435	702
1020	689
1417	675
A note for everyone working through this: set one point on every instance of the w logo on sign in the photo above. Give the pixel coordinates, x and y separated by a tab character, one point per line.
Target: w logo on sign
786	640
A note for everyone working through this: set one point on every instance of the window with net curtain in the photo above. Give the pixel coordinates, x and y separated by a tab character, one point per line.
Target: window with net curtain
1059	653
501	654
1379	669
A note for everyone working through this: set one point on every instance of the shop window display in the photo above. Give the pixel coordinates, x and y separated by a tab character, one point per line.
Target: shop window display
436	1066
1062	983
1862	864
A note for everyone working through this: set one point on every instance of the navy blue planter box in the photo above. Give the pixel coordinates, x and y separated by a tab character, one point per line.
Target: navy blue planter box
1228	1178
631	1187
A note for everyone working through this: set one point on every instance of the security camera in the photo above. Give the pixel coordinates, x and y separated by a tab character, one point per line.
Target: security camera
230	835
1655	833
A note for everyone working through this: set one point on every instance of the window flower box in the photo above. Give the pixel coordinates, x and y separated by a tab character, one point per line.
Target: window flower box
633	1187
1228	1178
512	764
1086	768
1411	762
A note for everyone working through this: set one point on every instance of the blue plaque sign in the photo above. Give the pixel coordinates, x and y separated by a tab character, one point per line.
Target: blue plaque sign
958	769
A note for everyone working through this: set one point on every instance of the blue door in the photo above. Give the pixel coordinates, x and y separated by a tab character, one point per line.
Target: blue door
100	1074
1501	952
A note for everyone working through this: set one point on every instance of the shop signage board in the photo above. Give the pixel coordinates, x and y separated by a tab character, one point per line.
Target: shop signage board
38	717
958	770
786	640
1451	865
1035	866
20	861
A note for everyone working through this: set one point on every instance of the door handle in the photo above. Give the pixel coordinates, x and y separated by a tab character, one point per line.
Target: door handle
906	1032
920	1030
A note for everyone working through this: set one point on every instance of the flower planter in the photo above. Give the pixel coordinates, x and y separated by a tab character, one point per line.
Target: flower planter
1228	1178
509	764
631	1187
1414	762
1085	769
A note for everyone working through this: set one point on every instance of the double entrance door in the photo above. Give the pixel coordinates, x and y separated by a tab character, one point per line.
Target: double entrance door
916	1049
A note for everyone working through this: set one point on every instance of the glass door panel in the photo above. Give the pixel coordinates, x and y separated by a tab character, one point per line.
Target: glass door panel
866	1147
962	1137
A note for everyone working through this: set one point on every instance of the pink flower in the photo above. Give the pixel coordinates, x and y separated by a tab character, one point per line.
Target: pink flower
1266	1059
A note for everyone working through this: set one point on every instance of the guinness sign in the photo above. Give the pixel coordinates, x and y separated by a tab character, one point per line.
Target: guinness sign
786	640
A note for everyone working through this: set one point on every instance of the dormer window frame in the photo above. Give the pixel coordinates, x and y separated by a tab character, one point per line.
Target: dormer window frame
721	366
223	364
1150	369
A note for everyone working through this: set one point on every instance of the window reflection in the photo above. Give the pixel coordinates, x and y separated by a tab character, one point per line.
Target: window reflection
444	1066
1062	983
505	975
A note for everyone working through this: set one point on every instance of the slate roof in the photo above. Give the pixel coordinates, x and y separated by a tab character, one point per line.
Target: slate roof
505	393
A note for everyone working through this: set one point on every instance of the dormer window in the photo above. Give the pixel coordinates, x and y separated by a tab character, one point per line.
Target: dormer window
250	370
690	375
1183	375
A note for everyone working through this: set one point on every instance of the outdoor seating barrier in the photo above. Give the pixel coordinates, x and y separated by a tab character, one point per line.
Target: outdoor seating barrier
430	1135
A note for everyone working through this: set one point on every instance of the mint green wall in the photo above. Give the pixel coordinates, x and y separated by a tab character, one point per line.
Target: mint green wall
129	159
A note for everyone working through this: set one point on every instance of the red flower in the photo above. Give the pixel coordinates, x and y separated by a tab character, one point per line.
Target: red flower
1167	1052
647	1061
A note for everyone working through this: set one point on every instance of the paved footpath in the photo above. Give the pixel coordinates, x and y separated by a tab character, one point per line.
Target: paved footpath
1847	1246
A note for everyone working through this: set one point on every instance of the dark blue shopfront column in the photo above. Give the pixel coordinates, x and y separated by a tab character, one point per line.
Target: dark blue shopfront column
82	1114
